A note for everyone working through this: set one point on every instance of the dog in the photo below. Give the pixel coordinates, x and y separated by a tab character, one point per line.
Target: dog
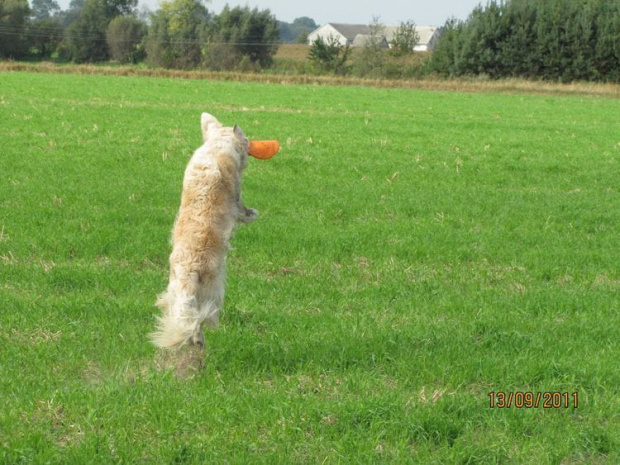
210	209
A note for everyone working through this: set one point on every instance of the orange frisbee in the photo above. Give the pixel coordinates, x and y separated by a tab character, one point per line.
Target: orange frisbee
263	149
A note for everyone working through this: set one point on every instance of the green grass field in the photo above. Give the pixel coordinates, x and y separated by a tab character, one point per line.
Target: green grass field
415	252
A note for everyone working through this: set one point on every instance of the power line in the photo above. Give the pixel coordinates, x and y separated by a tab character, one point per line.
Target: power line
96	37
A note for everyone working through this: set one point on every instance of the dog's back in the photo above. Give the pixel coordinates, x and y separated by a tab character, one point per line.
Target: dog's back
210	208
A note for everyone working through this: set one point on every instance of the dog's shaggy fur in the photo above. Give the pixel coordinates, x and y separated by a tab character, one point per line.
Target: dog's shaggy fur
210	208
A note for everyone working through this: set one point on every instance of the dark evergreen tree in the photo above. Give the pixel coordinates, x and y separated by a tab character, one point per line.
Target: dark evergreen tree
444	59
607	47
549	39
519	57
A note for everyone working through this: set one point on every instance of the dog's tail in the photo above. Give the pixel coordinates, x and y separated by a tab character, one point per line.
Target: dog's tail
181	322
174	327
169	334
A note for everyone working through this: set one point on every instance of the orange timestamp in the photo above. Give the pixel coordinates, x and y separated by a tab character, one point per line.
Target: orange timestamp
546	400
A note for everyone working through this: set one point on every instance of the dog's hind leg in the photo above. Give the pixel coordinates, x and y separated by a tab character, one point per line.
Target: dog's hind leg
211	310
198	337
207	313
246	215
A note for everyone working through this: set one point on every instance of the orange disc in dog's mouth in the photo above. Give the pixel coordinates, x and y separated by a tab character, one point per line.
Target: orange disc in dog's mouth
263	149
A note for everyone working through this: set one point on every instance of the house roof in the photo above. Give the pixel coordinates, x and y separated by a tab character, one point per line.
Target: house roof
363	40
426	33
350	31
358	31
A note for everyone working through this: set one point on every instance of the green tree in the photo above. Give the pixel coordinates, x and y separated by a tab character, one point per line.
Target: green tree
444	59
124	36
329	55
45	31
491	35
70	15
44	9
45	37
405	38
297	31
607	48
549	39
306	23
303	27
177	34
13	23
519	55
371	60
86	36
249	35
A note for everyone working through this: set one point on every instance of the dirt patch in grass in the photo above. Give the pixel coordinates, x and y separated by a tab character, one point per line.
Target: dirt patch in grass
185	362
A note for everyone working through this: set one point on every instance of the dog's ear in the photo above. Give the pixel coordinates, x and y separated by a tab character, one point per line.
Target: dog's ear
239	133
206	122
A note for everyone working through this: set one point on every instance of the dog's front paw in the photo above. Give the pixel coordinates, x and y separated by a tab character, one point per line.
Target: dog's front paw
248	215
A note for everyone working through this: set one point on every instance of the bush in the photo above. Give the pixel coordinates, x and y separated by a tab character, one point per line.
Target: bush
371	61
220	56
329	56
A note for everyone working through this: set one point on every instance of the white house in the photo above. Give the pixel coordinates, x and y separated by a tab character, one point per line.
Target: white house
357	35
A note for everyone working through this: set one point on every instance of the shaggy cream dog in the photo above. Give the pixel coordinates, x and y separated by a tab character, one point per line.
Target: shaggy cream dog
210	208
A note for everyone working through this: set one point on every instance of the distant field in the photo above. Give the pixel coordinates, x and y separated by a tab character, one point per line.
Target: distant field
297	52
416	253
477	84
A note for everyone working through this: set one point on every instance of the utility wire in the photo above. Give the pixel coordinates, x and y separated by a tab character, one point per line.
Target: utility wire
52	32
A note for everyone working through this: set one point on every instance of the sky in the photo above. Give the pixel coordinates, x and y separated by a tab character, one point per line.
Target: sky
390	13
421	12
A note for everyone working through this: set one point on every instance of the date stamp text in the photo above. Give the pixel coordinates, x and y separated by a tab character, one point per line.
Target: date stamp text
546	400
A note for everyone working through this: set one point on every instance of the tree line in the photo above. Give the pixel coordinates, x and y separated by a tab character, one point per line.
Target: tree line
562	40
180	34
559	40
